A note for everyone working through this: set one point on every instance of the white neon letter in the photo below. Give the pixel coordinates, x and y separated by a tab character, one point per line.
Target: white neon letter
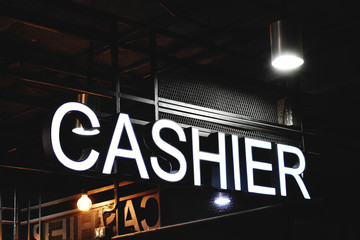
295	172
207	156
171	150
236	162
251	165
92	157
122	123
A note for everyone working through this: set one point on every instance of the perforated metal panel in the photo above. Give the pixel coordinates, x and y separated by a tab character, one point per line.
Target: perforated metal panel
277	138
210	93
250	104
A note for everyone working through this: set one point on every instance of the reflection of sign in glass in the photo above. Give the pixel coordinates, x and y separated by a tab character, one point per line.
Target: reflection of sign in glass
140	213
137	212
233	156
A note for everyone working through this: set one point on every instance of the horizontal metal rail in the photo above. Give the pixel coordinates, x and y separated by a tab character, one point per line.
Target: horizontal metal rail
254	210
100	92
61	200
220	117
137	99
73	211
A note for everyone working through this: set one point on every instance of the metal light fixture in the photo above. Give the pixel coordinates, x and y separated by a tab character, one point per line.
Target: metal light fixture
84	203
79	129
286	45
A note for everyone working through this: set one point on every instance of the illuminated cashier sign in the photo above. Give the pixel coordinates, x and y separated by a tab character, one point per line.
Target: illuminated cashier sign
235	161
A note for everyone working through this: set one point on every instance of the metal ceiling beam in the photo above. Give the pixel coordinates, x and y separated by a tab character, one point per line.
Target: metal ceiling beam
100	92
94	34
26	101
107	16
51	24
62	68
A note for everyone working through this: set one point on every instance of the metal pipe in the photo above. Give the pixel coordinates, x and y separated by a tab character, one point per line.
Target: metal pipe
91	63
1	220
115	66
28	219
15	227
39	216
114	208
116	196
153	68
101	92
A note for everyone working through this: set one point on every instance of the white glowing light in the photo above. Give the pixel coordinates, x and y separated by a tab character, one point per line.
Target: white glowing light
83	132
84	203
222	200
92	157
287	62
171	150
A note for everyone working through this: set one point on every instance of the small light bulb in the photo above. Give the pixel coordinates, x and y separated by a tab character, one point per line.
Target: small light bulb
84	203
222	200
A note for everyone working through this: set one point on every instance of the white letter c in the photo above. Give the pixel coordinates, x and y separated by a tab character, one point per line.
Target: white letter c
55	136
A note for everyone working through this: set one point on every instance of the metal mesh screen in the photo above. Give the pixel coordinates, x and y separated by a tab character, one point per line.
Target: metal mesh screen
210	94
296	141
207	93
249	104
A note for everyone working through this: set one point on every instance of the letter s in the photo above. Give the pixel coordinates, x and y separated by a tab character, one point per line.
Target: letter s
169	149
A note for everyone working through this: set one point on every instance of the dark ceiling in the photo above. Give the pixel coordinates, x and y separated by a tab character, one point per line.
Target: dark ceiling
54	41
52	50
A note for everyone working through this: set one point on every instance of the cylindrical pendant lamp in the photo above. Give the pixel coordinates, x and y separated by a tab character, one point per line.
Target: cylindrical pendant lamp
286	45
79	129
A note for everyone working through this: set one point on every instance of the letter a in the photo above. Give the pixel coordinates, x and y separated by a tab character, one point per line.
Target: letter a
123	122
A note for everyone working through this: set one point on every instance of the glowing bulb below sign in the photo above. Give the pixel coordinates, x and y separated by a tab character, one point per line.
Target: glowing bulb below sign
84	203
222	200
287	62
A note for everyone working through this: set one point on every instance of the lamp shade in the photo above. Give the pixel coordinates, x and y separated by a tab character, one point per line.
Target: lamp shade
286	45
79	128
